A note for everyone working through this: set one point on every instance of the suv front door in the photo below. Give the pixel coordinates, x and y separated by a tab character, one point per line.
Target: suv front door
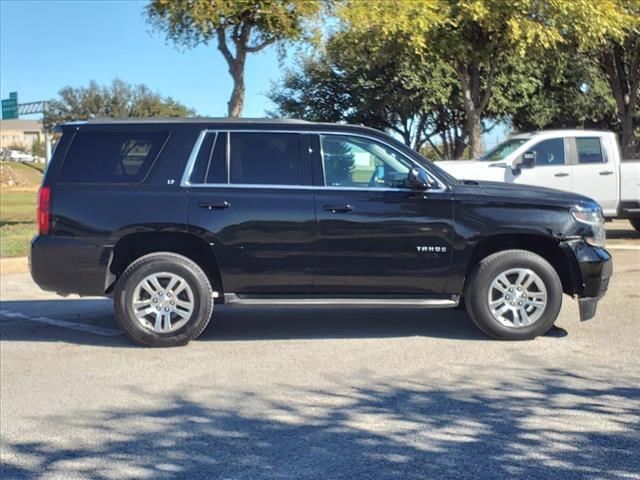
250	196
375	235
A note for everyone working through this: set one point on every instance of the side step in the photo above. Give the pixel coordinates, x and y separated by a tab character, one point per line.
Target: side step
265	300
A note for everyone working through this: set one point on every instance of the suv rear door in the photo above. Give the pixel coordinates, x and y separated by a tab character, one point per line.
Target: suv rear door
250	196
375	236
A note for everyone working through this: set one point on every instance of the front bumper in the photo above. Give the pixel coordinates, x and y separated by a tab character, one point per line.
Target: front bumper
593	270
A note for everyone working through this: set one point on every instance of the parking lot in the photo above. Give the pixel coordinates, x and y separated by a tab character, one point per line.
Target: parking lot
321	393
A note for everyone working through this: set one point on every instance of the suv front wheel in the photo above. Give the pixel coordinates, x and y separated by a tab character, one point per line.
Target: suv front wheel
163	300
513	295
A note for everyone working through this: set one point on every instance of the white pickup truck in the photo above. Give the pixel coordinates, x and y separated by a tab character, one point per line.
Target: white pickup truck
582	161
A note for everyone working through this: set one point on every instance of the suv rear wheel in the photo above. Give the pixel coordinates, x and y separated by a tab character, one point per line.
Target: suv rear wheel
163	300
513	295
635	223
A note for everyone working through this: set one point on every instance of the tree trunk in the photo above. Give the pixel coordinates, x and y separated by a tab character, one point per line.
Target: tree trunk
628	140
621	66
236	103
474	130
470	83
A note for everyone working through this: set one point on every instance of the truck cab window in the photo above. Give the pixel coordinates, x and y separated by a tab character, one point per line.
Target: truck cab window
589	150
549	152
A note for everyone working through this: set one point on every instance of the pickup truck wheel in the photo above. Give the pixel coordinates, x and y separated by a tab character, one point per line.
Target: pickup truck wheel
163	300
635	223
513	295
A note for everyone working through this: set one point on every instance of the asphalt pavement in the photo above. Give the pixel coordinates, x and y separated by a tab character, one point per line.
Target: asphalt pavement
321	393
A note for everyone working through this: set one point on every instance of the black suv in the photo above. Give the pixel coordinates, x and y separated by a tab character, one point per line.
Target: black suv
171	216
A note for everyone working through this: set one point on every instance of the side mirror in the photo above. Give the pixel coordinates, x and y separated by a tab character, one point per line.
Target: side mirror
418	179
528	160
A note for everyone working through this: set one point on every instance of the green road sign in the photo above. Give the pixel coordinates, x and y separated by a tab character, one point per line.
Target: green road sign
10	106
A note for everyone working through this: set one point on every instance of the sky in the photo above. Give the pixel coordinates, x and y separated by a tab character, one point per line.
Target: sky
47	45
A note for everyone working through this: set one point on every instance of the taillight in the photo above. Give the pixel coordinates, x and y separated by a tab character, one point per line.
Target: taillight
44	214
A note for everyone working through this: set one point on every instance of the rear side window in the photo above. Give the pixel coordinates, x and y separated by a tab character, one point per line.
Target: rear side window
268	159
111	157
589	150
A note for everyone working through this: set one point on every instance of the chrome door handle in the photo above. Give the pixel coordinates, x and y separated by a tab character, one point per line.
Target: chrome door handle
214	205
562	174
606	172
337	208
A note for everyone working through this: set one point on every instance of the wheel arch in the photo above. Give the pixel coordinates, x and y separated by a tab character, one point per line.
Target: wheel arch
135	245
552	250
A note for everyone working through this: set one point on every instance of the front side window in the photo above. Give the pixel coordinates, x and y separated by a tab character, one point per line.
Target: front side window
502	150
111	157
350	161
549	152
268	158
589	150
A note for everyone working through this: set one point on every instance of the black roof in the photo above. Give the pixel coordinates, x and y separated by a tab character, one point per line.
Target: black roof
214	120
285	123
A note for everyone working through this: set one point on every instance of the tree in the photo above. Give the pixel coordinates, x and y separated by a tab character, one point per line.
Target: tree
619	59
240	27
116	100
37	148
477	38
388	88
571	91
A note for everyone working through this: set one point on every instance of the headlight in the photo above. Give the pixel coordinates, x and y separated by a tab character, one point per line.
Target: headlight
595	219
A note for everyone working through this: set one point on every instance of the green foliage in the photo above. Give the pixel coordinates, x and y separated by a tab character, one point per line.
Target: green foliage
240	27
119	99
570	92
387	88
484	42
262	21
37	149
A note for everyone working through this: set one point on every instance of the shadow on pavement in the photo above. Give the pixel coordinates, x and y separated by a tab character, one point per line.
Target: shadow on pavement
552	424
244	323
622	233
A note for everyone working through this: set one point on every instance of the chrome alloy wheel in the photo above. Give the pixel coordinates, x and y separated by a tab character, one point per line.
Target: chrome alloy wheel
517	297
163	302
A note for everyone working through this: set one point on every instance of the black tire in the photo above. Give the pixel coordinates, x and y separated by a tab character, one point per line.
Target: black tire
156	263
477	292
635	223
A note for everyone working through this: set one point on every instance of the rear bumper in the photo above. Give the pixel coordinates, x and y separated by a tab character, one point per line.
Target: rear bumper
69	265
595	268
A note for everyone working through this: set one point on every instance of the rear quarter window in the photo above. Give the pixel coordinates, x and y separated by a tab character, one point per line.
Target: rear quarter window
111	157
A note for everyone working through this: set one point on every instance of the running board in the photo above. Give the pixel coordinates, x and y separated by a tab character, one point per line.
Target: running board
255	300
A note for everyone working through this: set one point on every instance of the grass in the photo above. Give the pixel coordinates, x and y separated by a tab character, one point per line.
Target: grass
17	221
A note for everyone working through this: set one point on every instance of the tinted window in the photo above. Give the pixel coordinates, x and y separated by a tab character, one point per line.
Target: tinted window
589	150
110	157
549	152
211	163
360	162
268	159
202	160
217	170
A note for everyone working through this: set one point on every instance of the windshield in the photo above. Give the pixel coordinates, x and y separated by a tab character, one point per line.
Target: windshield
500	151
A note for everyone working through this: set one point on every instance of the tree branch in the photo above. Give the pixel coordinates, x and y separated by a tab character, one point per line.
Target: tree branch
489	86
222	46
257	48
